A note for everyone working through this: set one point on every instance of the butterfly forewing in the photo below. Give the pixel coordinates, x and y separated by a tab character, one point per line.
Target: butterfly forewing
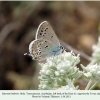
45	31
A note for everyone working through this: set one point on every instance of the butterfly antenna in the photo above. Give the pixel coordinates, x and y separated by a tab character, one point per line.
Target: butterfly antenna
30	55
25	54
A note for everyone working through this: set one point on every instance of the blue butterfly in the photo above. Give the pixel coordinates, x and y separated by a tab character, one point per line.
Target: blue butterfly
46	43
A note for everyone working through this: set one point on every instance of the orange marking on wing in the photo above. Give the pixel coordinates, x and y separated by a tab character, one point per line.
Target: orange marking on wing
35	49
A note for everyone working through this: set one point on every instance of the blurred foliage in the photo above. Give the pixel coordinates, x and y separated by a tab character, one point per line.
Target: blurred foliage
99	29
75	23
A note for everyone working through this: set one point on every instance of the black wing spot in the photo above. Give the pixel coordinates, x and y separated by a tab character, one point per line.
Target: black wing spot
47	28
41	30
46	46
40	33
44	33
39	53
51	36
45	41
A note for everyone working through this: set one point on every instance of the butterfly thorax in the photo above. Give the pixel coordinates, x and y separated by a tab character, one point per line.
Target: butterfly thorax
56	50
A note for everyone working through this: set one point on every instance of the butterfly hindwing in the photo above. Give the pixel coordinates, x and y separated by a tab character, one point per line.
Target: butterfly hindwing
41	48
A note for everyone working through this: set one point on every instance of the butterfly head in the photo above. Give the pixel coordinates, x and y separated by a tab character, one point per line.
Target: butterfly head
62	49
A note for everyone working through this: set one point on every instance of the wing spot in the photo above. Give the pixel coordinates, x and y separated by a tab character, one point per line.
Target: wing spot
37	45
39	53
45	41
44	33
40	33
41	30
46	29
46	46
51	36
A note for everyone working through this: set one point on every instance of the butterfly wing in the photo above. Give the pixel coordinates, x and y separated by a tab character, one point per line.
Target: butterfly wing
41	49
33	49
46	43
45	31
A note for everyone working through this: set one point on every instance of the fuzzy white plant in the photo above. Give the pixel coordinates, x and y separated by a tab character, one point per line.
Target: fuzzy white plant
57	71
60	72
92	72
70	86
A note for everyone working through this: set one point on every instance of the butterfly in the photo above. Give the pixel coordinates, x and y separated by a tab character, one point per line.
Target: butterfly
46	43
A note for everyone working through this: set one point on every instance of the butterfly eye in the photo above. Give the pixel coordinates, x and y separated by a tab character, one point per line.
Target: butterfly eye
61	47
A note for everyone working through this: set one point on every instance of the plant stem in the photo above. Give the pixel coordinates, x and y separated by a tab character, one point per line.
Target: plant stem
88	85
92	62
94	85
